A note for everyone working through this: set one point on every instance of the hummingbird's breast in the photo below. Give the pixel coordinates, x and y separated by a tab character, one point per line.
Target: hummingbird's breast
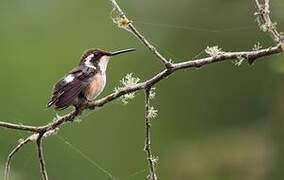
96	86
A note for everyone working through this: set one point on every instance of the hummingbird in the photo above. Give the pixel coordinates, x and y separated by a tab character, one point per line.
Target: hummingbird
85	82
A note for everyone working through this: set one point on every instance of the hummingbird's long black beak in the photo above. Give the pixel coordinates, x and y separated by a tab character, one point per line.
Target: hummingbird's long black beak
122	51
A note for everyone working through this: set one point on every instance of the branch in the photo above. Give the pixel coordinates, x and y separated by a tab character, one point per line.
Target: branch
41	158
20	127
265	22
124	22
251	56
41	132
10	156
147	145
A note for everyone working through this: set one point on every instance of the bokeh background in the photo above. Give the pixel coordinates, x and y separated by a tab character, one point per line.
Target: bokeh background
218	122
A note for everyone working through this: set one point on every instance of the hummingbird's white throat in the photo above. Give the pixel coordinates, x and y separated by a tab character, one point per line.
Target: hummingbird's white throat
103	63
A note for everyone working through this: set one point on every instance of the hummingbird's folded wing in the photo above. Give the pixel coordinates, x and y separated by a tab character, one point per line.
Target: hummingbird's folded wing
68	89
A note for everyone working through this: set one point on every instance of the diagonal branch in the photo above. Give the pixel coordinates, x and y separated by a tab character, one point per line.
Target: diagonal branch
226	56
124	22
10	156
41	132
249	55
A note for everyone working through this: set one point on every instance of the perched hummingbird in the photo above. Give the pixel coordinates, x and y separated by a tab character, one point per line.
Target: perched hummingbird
85	82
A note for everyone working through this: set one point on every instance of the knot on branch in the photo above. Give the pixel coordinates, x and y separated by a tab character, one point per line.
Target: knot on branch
122	22
119	18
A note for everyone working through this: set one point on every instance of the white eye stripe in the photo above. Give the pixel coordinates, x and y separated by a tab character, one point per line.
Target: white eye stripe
69	78
90	65
89	58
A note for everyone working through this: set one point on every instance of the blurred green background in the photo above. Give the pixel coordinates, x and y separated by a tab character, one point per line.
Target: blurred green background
217	122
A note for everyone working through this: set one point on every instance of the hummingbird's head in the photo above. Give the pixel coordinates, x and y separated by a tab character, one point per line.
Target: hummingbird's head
96	58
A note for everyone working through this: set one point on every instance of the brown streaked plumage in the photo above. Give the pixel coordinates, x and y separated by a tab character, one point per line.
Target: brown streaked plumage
85	82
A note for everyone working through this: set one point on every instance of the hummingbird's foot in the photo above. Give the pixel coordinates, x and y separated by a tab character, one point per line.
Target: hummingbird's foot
87	103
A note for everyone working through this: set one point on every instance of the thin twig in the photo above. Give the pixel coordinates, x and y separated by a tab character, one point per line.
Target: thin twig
20	127
139	35
10	156
41	157
147	145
